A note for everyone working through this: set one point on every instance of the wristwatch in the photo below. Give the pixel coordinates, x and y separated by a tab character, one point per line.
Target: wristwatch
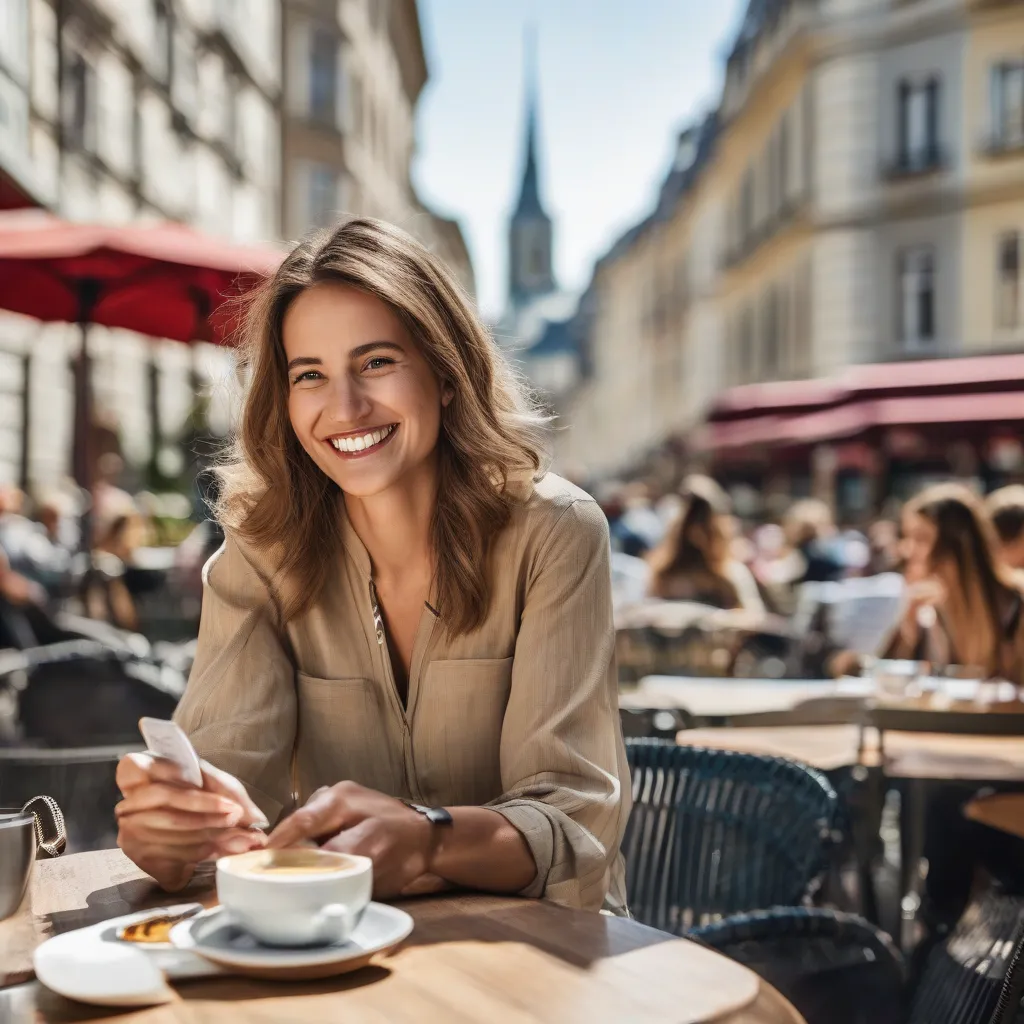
435	815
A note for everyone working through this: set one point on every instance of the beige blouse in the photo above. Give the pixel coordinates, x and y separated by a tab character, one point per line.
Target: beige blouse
520	715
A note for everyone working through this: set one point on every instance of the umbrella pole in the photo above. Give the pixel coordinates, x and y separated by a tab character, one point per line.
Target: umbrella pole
153	402
25	455
88	292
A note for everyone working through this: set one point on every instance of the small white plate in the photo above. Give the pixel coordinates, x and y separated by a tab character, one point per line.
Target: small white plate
94	966
214	936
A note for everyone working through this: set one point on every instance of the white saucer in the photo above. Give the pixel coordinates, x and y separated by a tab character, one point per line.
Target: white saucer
214	936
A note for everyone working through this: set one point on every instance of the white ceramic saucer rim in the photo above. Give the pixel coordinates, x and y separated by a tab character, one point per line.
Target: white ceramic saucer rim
183	938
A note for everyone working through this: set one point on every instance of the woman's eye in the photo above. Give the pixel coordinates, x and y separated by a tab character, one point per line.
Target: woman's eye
378	363
308	376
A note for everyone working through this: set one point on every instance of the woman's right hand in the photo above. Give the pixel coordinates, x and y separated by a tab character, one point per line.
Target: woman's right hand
168	827
927	593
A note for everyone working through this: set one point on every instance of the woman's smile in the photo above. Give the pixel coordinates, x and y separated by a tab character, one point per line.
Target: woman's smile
359	445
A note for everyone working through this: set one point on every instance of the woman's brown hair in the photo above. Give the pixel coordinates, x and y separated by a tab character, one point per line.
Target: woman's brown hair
965	538
276	498
705	504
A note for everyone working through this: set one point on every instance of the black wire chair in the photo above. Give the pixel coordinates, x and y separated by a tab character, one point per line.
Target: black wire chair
1010	1004
835	968
976	976
714	833
82	782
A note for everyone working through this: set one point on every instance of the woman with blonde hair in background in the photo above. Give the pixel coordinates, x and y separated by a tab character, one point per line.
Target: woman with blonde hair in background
406	646
695	561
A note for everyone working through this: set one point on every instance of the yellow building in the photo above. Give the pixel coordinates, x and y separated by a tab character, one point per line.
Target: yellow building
863	202
992	140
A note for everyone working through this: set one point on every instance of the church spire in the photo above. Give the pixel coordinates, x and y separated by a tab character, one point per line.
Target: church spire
529	191
530	270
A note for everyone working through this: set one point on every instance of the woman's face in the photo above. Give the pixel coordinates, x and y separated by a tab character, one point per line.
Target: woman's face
362	399
916	545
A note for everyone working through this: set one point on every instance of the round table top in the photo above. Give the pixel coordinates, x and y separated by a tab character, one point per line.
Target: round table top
471	958
938	757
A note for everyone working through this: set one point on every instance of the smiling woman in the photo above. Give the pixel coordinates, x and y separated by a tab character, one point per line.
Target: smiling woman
406	648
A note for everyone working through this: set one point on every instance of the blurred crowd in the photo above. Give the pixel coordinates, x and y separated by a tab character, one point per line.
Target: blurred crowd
942	582
137	544
948	573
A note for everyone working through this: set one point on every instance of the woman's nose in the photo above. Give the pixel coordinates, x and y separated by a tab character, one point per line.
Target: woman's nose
347	402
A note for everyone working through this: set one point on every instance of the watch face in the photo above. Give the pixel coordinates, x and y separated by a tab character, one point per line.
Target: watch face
438	815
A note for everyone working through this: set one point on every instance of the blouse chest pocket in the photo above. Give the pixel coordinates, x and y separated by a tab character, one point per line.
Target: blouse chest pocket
460	708
343	734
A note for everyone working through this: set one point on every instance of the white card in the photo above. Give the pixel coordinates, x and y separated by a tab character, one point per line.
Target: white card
167	739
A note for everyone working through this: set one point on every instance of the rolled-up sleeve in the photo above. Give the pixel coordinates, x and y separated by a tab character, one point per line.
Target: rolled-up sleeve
239	707
563	763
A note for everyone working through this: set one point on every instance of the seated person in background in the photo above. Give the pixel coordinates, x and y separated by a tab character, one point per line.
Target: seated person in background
1006	507
965	606
695	561
810	532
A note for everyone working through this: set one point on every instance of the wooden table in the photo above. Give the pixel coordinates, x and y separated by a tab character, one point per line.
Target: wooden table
908	755
470	959
739	702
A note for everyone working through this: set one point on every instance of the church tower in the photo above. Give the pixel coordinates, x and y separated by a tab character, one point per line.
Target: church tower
529	236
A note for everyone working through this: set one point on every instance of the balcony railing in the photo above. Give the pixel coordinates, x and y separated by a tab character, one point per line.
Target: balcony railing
1003	143
909	163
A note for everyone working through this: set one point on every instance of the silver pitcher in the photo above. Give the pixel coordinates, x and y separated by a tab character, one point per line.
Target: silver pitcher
35	830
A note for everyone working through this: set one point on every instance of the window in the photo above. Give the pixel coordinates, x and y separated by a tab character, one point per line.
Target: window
323	75
78	103
771	349
918	125
323	195
163	41
747	207
356	104
745	366
185	77
917	296
1008	105
232	119
1008	293
784	172
14	37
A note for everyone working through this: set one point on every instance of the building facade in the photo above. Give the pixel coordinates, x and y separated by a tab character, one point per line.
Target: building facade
250	119
122	110
863	204
353	72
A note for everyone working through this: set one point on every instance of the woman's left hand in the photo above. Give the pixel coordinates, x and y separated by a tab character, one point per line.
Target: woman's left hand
349	818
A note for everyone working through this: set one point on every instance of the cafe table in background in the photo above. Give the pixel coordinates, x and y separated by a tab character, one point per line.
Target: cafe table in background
471	959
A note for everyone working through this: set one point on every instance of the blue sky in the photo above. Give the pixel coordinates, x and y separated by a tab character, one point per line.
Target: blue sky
617	79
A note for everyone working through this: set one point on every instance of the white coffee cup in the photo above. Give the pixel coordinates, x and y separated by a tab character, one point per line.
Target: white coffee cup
296	897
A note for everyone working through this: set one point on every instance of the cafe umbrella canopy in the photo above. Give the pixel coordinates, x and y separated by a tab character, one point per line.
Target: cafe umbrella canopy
165	280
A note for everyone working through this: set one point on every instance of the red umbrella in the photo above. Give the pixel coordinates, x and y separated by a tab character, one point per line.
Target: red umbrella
164	280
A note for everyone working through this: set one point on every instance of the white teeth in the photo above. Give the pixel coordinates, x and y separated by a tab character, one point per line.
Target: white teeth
359	444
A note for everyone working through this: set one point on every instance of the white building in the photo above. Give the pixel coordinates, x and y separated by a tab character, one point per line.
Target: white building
353	72
120	110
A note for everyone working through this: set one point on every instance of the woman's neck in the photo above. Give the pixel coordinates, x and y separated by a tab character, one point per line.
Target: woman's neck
394	525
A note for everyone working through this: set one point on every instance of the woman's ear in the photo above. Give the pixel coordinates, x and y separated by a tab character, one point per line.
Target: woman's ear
447	394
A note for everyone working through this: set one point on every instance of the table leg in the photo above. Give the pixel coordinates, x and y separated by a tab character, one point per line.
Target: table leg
913	807
866	826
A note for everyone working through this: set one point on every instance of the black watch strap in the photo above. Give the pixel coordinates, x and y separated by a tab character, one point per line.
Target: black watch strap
435	815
